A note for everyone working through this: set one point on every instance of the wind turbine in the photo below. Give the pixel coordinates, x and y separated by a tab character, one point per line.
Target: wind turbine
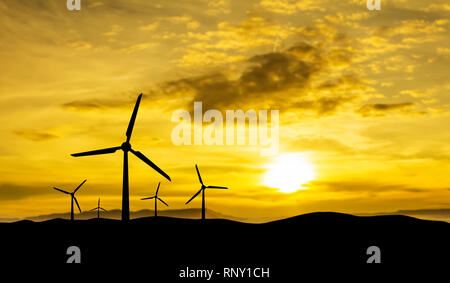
156	200
202	190
72	195
98	208
126	147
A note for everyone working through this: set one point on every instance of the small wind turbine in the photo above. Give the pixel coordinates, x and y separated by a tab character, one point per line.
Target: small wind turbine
126	147
156	200
72	194
98	208
202	190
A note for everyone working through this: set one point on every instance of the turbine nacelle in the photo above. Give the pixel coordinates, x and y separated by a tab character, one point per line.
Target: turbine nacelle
126	146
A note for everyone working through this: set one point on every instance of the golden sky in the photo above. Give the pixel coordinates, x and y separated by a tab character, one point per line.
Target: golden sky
363	94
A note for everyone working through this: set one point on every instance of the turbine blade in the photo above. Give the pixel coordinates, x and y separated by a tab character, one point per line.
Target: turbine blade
62	191
151	164
77	203
104	209
148	198
93	209
96	152
157	189
216	187
98	202
163	201
133	118
194	196
79	186
198	173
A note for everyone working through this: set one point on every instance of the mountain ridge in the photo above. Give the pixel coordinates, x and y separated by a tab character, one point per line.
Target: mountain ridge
442	214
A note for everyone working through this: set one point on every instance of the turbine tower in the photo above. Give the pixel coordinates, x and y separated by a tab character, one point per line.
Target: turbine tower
156	200
98	208
126	147
202	190
72	196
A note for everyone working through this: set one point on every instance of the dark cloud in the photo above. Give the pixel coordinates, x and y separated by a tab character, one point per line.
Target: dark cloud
263	81
274	72
35	135
442	211
319	144
121	100
436	153
370	187
379	109
323	105
214	169
279	80
285	80
16	192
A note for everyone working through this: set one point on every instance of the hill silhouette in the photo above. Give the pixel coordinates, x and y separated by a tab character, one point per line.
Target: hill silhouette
430	214
191	213
169	244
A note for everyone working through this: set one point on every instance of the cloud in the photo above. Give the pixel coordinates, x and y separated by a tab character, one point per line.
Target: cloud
297	78
380	109
278	71
292	6
266	81
79	45
17	192
137	47
319	144
150	27
35	135
187	20
99	104
351	19
163	22
115	29
323	105
216	7
437	8
443	50
240	38
95	4
364	186
414	27
194	58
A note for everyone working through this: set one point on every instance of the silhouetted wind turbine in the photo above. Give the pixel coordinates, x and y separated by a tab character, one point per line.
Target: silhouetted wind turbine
98	208
126	147
202	190
156	200
72	195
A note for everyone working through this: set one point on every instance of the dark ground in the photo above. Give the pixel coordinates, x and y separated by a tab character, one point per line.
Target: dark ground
165	245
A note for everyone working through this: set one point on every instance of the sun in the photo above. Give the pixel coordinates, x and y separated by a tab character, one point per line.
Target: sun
289	172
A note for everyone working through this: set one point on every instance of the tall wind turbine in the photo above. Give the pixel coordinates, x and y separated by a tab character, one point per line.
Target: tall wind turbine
126	147
72	195
98	208
202	190
156	200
